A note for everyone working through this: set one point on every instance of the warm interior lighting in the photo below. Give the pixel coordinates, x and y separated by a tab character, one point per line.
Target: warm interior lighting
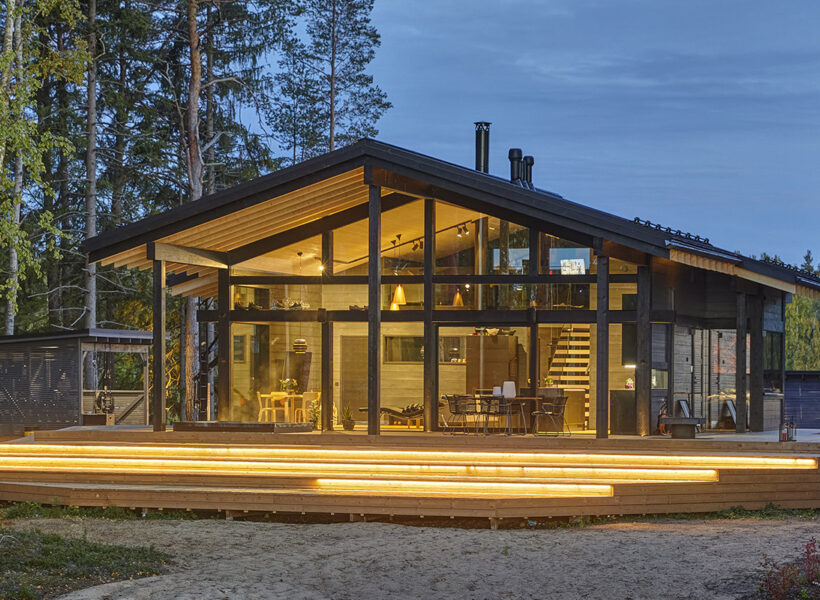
457	299
398	296
630	366
394	306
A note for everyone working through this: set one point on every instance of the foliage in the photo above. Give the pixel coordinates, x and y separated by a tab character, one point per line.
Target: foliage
347	414
39	565
793	580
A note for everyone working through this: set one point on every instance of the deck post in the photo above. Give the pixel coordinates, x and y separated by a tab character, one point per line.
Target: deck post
224	345
158	400
756	383
740	364
374	313
430	343
643	369
602	350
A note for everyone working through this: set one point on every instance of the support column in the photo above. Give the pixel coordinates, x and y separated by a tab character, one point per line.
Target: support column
430	342
374	313
783	298
643	368
602	351
224	345
740	364
158	400
327	375
327	340
756	383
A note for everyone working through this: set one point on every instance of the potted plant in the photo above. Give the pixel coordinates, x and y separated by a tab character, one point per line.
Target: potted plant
347	418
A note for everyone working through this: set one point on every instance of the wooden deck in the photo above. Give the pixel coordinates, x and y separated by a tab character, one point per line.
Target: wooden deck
411	475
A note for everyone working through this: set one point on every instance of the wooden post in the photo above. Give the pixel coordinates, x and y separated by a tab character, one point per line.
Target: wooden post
534	375
643	368
430	342
602	351
740	364
224	345
783	298
327	375
327	339
756	383
158	401
374	312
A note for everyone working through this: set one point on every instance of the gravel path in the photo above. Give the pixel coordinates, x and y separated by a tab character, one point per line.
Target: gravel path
249	561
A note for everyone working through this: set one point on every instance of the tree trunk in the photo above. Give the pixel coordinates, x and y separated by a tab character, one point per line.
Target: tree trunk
210	330
11	306
332	145
120	118
91	167
5	76
194	163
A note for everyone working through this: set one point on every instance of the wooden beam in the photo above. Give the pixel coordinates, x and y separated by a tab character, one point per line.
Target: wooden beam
602	351
327	253
224	345
158	400
186	255
643	370
374	271
740	364
308	230
430	342
327	375
755	308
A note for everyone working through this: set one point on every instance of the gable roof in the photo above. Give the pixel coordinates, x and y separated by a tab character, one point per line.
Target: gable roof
339	180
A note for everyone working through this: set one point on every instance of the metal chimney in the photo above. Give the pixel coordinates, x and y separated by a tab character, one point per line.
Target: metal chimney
482	146
515	165
529	161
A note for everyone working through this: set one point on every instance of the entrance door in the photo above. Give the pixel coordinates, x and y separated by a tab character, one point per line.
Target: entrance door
353	375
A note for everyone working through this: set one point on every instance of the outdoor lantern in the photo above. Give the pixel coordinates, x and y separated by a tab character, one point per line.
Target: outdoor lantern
398	296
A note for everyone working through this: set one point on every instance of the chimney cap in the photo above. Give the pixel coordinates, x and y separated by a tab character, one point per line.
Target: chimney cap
515	154
529	160
482	124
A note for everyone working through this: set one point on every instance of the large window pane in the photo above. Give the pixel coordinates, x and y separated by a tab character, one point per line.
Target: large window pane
275	372
472	243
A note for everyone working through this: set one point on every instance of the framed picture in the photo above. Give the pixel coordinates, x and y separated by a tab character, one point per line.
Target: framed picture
240	348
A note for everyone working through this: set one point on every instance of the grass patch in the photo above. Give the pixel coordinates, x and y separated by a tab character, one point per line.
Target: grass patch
33	510
770	511
42	565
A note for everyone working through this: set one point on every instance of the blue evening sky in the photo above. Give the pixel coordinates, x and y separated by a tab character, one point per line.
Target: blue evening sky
701	115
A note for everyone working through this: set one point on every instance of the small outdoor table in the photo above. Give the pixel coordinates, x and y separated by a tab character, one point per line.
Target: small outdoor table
683	427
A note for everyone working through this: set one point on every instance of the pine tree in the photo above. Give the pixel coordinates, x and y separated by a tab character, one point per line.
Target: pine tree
342	43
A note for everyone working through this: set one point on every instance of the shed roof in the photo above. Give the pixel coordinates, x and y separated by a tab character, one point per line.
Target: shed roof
95	335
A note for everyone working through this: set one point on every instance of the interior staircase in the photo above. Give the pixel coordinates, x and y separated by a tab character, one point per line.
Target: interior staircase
570	362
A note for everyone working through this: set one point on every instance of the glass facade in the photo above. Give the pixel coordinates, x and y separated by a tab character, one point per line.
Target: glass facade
483	269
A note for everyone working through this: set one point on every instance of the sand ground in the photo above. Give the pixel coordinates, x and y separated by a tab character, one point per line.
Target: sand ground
250	560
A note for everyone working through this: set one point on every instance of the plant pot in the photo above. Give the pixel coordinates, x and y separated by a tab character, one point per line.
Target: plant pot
348	424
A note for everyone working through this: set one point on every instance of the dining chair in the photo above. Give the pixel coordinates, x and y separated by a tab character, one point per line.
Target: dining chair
308	399
554	411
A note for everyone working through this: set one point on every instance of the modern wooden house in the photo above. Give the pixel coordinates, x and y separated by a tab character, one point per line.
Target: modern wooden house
375	277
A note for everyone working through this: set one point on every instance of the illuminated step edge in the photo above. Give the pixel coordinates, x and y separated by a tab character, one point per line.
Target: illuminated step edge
124	465
418	456
469	488
330	489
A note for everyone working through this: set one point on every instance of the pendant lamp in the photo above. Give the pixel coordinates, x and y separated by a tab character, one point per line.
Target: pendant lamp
398	296
394	306
457	299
